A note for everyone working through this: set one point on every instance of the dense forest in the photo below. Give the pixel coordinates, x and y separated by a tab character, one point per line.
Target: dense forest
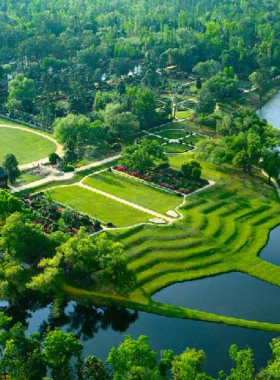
67	50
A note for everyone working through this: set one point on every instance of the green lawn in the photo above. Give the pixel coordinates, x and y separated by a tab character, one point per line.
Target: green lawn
98	206
176	148
194	139
184	114
173	133
27	147
134	192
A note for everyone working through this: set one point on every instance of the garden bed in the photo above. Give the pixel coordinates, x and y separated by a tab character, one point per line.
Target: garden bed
167	178
52	216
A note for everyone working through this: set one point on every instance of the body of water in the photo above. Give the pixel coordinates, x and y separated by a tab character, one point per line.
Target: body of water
271	111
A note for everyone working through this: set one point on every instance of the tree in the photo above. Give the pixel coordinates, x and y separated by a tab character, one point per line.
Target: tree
8	204
124	124
142	103
244	364
261	80
187	365
21	240
10	165
94	369
133	356
207	69
121	88
60	349
270	163
191	169
144	156
54	158
72	131
22	356
205	102
22	93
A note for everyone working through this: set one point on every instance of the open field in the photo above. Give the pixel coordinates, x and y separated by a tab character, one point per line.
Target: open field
98	206
133	191
26	146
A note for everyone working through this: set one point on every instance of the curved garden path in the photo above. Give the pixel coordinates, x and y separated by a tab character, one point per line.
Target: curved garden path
59	147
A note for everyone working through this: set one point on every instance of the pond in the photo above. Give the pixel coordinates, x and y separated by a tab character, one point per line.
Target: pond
99	329
271	252
232	294
271	111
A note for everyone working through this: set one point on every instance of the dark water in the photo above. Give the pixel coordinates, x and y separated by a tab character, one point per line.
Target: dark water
233	294
101	329
271	252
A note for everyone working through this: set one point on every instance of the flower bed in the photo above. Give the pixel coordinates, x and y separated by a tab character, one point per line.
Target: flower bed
167	178
51	216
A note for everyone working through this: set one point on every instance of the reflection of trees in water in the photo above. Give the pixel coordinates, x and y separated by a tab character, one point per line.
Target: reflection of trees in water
21	309
84	320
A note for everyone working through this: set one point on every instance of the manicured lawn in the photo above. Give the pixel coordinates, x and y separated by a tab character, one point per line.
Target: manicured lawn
173	133
176	148
98	206
194	139
184	114
154	138
27	147
133	191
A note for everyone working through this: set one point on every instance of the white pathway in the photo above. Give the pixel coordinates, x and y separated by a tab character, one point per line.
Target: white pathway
66	176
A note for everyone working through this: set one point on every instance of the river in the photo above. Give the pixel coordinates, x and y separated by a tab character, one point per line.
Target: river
233	294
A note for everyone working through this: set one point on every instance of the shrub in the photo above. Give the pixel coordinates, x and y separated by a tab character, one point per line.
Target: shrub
68	168
54	158
191	169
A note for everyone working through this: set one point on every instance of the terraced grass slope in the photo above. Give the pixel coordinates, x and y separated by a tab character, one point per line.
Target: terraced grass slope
222	229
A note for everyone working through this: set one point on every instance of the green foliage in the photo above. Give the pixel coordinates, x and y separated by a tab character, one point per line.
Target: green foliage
187	365
144	156
60	349
54	159
133	356
22	93
8	204
10	165
270	163
191	169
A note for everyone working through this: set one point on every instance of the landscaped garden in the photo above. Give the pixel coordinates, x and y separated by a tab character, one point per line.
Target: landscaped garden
98	206
133	191
53	217
168	178
26	146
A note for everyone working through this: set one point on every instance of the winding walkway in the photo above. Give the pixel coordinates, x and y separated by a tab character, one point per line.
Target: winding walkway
59	147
